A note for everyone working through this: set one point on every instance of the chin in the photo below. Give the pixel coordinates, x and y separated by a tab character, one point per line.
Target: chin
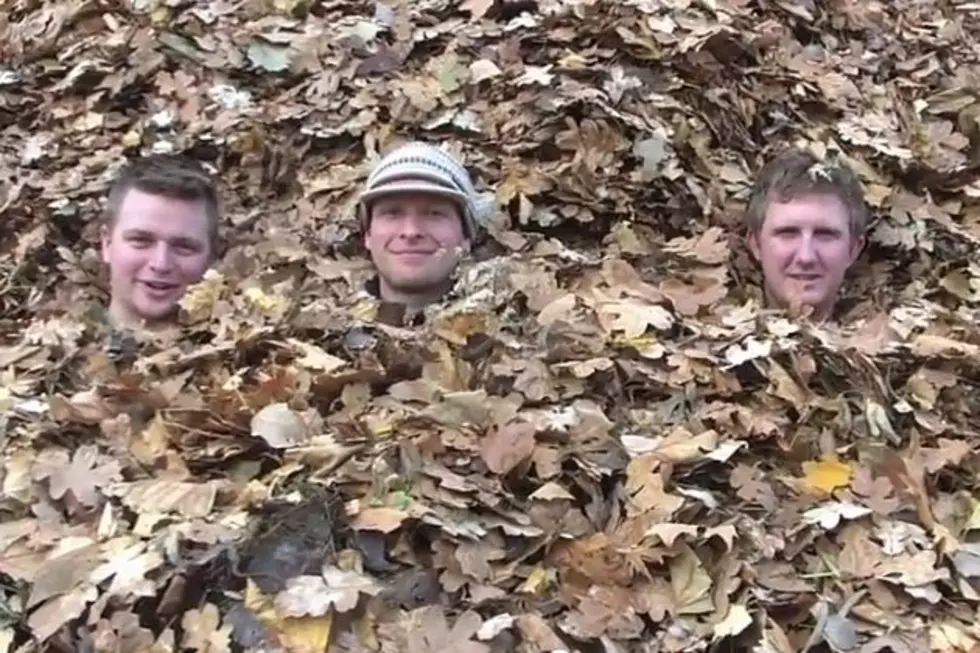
156	314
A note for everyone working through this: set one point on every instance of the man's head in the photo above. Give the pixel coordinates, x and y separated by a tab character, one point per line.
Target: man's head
417	215
806	220
160	235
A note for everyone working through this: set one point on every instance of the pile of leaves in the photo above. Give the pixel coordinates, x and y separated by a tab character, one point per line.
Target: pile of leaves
603	443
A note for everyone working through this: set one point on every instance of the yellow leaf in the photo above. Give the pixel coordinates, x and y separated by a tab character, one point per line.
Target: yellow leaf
259	603
364	630
267	304
366	310
305	634
536	581
690	583
951	638
973	522
297	634
160	16
199	299
826	475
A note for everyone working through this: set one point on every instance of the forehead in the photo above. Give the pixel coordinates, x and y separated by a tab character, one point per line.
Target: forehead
815	211
165	217
414	199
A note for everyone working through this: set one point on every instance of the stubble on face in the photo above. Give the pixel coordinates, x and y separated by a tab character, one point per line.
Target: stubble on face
415	241
155	248
805	247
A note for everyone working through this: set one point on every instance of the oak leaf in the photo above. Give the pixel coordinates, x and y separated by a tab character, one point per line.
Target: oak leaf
81	474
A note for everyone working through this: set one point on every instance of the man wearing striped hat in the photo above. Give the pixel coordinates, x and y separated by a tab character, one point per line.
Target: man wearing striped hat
419	215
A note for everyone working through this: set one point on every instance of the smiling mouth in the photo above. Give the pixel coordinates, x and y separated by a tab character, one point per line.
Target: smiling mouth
159	286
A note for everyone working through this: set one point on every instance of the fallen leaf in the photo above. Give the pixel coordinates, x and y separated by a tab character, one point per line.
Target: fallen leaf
279	426
506	447
81	475
826	475
315	596
736	621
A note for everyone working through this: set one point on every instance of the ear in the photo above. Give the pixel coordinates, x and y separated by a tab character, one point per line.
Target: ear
856	248
105	236
364	220
754	246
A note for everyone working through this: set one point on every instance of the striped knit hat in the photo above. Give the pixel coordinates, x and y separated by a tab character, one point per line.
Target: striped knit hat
423	168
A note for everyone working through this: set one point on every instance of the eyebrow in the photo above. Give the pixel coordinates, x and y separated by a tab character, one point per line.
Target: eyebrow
178	240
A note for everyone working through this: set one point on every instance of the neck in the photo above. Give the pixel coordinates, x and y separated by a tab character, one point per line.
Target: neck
122	317
413	301
820	313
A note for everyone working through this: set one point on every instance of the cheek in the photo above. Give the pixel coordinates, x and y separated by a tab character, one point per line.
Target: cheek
126	260
449	234
377	235
192	267
776	254
837	256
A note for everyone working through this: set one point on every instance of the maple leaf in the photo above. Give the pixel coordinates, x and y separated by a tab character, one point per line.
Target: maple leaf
203	632
428	632
81	474
633	318
634	340
826	475
316	595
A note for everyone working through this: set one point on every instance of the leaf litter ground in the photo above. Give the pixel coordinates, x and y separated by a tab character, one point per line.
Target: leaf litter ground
604	445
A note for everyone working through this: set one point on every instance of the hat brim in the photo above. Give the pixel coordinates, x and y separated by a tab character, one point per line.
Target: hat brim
420	186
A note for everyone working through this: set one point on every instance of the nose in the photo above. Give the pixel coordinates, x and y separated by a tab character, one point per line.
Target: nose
805	251
162	258
411	225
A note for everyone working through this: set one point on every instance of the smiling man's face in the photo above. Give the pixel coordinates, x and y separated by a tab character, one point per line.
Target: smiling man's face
415	241
805	247
156	247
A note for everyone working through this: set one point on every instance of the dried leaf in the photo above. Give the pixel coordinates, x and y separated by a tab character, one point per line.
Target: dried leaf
315	596
279	426
826	475
506	447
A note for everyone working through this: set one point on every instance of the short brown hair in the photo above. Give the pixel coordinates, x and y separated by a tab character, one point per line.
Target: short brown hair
796	173
171	175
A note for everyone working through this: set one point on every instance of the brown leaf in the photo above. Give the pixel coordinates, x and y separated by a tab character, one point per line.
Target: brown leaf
506	447
82	475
